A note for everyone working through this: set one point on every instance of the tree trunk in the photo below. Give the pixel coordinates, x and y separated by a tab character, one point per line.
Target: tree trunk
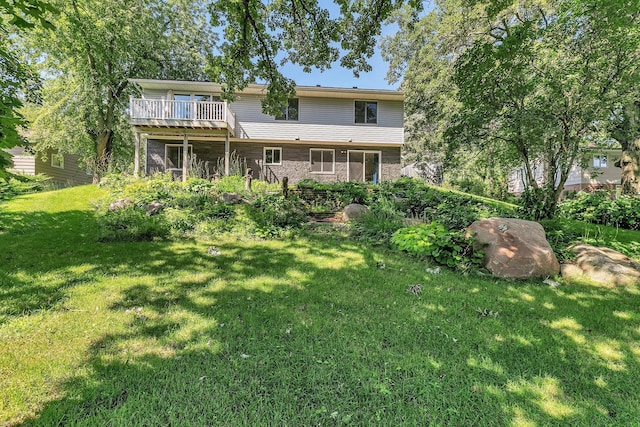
104	154
629	163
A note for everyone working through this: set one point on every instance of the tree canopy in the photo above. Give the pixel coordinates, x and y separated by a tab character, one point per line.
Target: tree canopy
528	82
16	78
259	36
96	48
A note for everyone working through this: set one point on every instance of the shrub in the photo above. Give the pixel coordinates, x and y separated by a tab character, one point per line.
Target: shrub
273	215
379	224
455	211
179	221
16	184
435	242
131	224
331	197
599	207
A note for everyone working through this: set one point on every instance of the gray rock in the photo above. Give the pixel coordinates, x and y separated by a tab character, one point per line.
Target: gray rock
515	248
354	211
231	198
118	204
153	208
602	265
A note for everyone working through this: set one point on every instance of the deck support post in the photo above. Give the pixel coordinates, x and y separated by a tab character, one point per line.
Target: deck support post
226	154
185	157
136	158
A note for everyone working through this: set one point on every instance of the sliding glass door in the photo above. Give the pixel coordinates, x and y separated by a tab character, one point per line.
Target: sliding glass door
363	166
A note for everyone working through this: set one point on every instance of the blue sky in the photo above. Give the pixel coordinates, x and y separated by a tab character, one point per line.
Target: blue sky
341	77
337	76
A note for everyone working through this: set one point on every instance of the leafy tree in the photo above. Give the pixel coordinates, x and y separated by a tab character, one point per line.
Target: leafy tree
15	77
260	35
625	123
96	48
531	79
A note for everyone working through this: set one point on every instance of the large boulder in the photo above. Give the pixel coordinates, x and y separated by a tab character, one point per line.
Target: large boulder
515	248
354	211
602	265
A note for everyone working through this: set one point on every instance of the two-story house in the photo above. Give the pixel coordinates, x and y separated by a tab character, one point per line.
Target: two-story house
327	134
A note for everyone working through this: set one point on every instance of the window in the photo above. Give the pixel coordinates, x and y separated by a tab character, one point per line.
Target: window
367	112
173	156
272	156
57	160
599	161
290	112
322	161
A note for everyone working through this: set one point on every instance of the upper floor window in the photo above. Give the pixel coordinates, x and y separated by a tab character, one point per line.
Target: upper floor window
599	161
290	112
366	112
272	156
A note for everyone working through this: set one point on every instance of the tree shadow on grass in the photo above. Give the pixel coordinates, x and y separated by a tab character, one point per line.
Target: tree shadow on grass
311	331
285	332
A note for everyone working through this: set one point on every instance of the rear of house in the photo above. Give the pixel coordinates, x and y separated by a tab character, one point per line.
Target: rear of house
326	134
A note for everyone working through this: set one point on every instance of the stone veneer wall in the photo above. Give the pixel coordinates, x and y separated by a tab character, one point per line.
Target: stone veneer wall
295	159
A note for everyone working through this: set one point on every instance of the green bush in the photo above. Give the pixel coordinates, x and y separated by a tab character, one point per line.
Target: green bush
273	215
179	221
436	243
455	211
131	223
599	207
379	224
16	184
331	197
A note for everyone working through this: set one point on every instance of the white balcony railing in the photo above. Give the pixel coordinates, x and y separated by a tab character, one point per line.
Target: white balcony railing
160	109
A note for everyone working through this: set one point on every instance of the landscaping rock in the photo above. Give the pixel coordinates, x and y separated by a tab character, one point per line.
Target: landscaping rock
515	248
153	208
354	211
118	204
603	266
231	198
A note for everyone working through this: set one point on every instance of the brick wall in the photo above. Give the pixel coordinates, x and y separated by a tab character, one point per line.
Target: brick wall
295	159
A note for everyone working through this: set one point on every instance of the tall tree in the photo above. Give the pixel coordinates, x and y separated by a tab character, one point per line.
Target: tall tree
625	129
16	78
96	48
533	78
261	35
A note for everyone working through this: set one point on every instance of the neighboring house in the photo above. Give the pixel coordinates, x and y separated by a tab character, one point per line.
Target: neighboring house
596	171
430	172
327	134
62	169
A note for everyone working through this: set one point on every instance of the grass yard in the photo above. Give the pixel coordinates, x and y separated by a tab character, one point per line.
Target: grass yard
305	331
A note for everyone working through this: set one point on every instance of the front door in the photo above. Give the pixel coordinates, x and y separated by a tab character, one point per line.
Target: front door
364	166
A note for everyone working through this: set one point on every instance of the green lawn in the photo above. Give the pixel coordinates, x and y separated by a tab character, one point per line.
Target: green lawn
306	331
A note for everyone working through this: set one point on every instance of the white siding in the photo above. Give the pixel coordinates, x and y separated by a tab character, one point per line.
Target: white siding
154	94
24	164
320	119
